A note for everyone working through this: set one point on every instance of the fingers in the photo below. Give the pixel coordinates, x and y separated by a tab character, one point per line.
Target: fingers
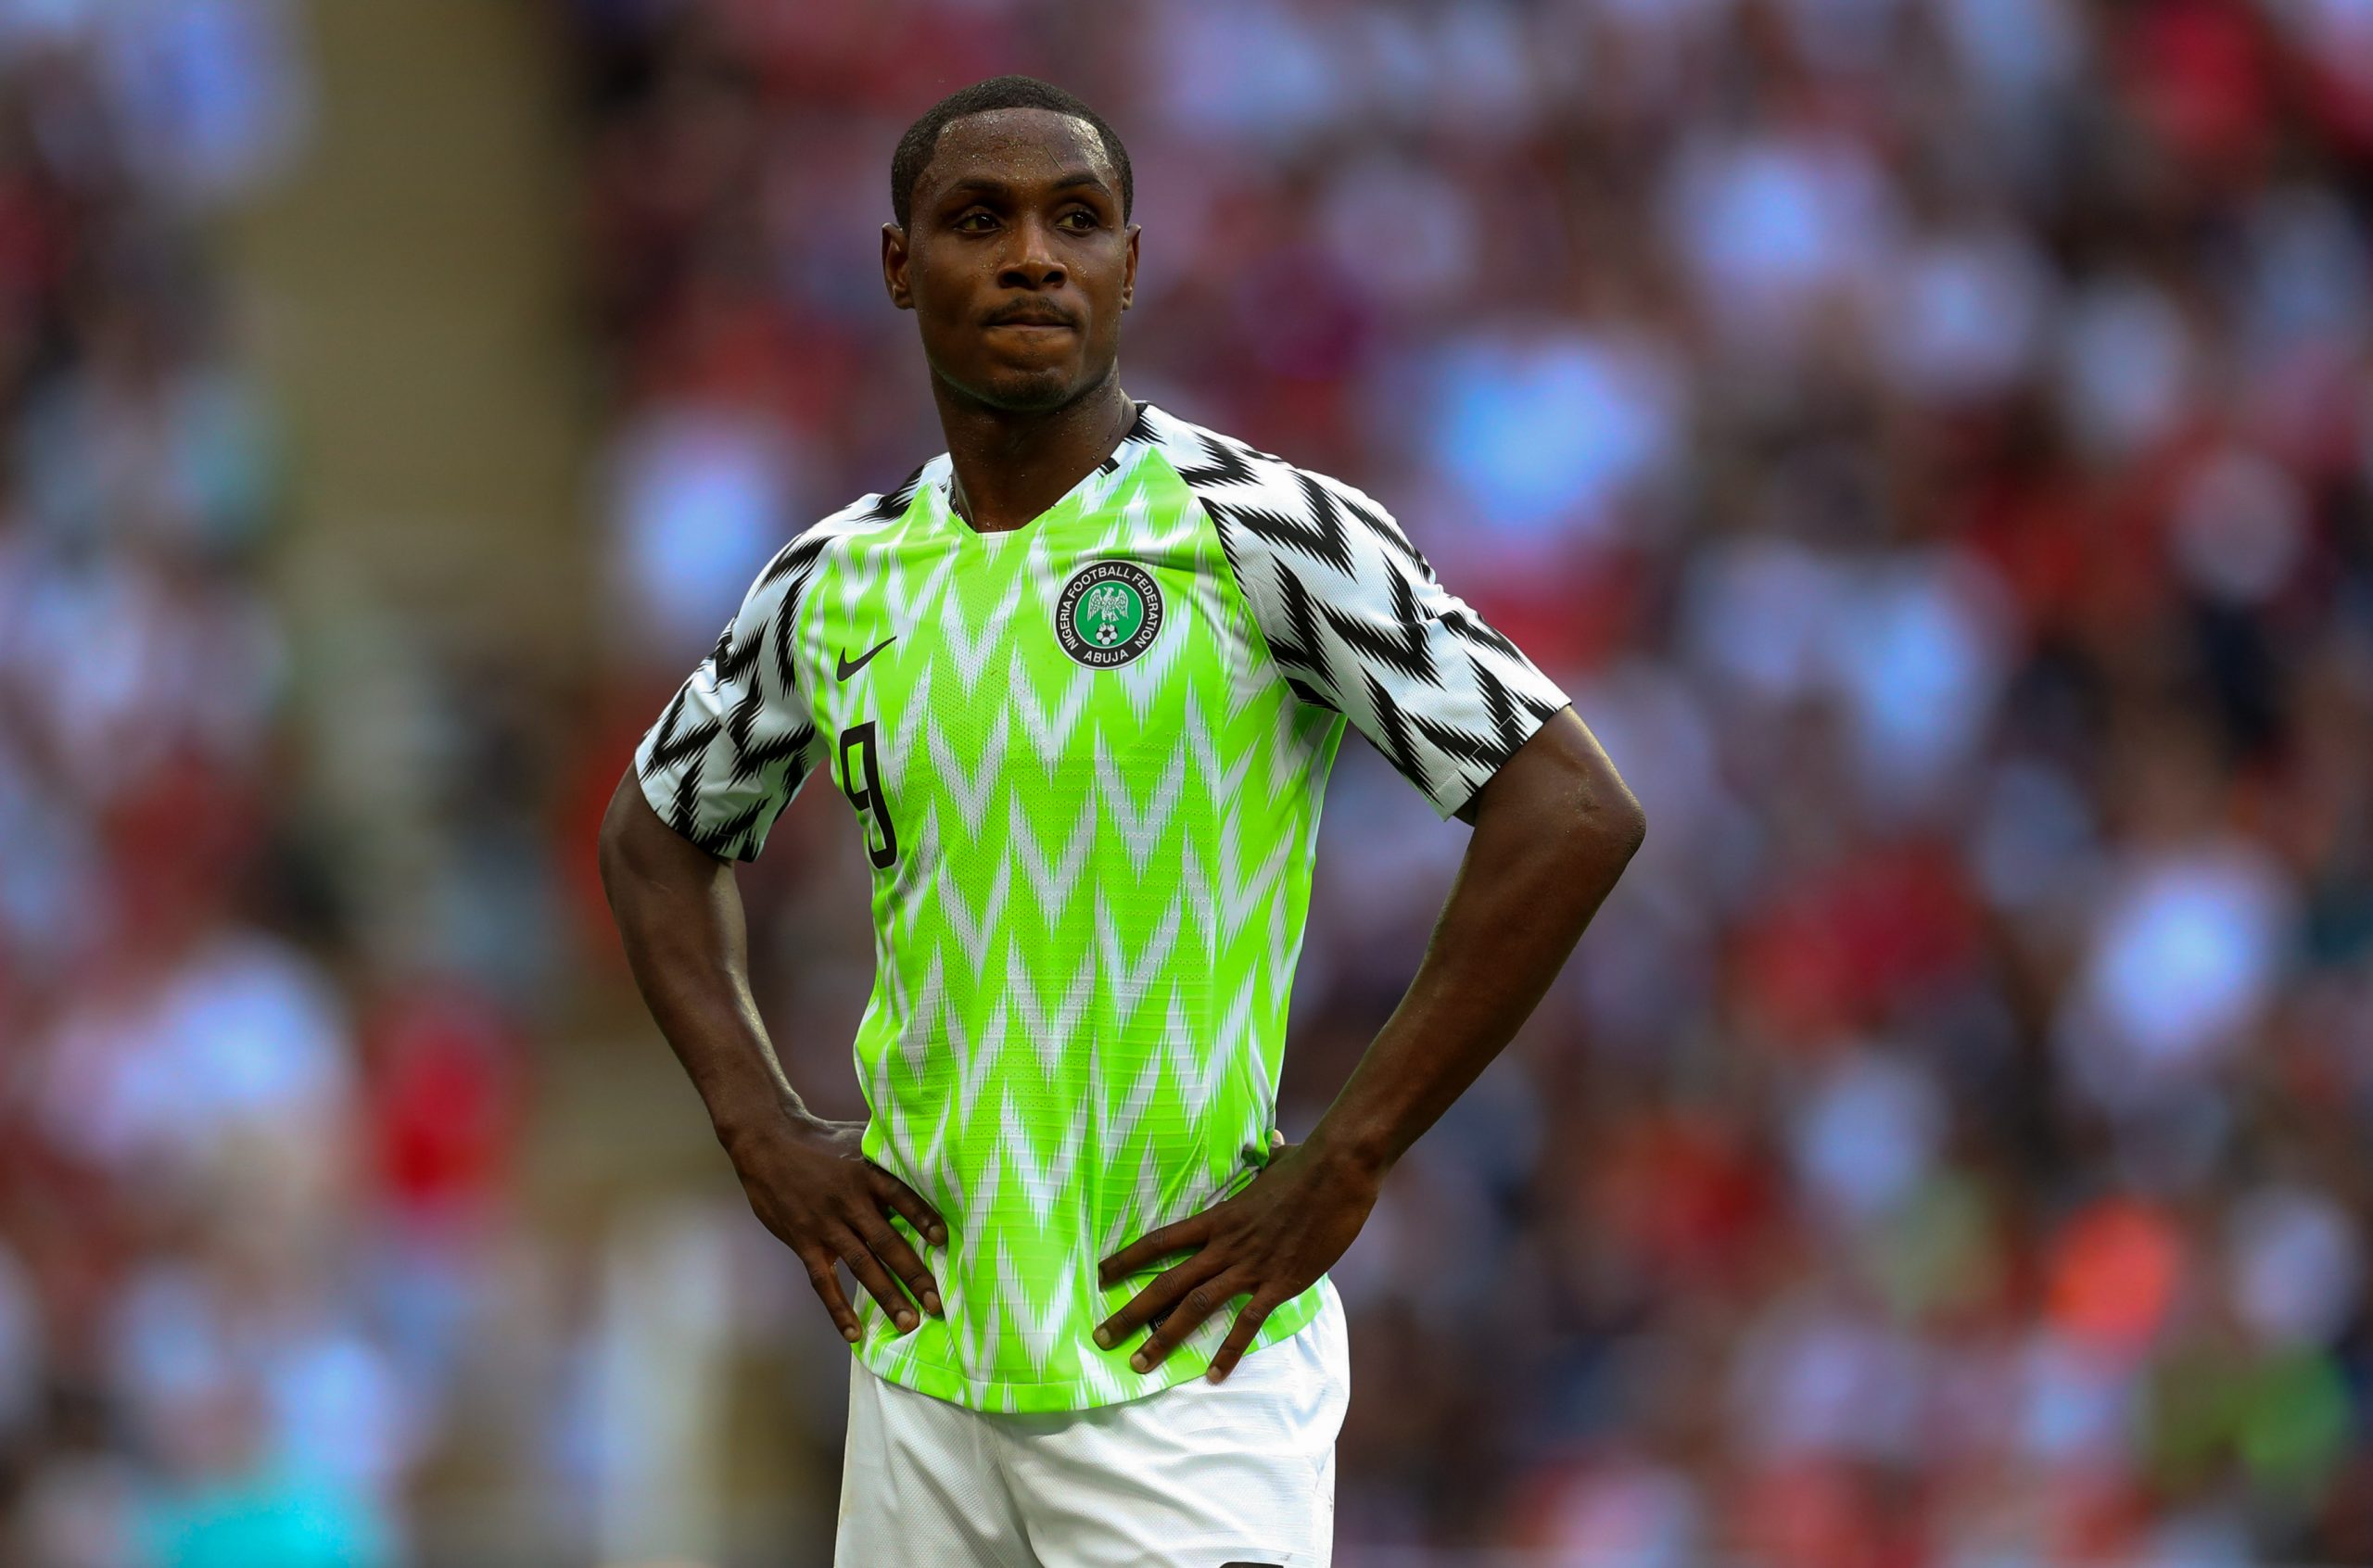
1239	1337
1198	1304
891	1247
846	1217
1187	1234
827	1280
909	1205
1161	1295
1276	1139
877	1281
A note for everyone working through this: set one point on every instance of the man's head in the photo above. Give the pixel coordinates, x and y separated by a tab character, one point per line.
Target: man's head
1012	242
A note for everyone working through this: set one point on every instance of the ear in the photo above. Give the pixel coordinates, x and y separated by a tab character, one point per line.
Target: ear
894	266
1129	273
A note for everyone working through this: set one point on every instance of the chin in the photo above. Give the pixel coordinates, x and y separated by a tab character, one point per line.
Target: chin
1021	389
987	374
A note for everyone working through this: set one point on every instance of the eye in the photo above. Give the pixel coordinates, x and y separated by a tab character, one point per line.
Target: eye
976	212
1093	221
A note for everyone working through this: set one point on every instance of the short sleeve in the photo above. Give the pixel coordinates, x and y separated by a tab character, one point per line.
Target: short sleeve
737	740
1358	622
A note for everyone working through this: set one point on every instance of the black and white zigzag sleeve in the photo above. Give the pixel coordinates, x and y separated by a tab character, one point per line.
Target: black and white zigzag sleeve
736	742
1358	622
738	738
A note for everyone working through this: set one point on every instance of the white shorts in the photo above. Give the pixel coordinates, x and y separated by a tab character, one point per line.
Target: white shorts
1199	1476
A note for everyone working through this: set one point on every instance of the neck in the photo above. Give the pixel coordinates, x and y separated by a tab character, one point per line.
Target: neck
1009	466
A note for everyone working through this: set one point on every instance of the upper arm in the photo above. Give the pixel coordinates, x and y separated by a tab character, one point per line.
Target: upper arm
639	853
738	739
1358	622
1566	777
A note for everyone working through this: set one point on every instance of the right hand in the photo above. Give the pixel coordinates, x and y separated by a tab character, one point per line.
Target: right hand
809	1183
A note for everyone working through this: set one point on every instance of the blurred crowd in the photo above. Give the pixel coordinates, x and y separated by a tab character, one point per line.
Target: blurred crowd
244	1169
1932	440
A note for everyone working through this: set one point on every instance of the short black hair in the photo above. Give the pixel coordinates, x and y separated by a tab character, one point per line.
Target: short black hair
915	148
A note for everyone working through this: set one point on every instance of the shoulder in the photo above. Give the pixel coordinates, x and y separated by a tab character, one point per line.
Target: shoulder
1262	503
797	562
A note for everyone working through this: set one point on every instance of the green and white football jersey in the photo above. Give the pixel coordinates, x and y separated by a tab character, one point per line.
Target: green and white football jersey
1088	757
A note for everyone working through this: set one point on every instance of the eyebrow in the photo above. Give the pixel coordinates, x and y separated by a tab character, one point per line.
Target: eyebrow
981	184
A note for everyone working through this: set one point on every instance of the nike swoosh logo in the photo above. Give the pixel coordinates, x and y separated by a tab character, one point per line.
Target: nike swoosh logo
847	668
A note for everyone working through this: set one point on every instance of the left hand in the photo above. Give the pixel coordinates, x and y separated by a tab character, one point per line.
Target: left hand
1272	1239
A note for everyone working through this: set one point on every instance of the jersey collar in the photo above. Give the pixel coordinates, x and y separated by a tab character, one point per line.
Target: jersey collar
1140	438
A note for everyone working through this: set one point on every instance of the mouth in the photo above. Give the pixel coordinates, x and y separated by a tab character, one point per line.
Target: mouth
1038	315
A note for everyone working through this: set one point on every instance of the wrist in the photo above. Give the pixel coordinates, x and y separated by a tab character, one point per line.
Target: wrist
1365	1154
745	1120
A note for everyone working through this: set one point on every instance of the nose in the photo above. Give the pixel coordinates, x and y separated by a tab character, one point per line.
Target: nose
1030	260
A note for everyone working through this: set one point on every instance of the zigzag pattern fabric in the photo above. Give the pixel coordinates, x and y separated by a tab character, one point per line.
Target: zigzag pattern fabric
1087	756
1357	621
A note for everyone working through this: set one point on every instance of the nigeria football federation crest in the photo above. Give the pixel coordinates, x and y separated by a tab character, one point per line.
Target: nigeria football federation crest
1108	615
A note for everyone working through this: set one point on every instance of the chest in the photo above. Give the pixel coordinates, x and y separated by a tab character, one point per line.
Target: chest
972	690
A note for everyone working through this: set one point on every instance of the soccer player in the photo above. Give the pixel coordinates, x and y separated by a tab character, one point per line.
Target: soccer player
1081	679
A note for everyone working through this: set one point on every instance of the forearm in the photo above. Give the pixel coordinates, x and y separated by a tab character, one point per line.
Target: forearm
678	913
1552	836
808	1181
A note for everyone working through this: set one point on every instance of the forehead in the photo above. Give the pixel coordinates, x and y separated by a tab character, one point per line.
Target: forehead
1016	146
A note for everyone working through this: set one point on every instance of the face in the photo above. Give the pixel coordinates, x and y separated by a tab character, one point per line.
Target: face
1016	264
